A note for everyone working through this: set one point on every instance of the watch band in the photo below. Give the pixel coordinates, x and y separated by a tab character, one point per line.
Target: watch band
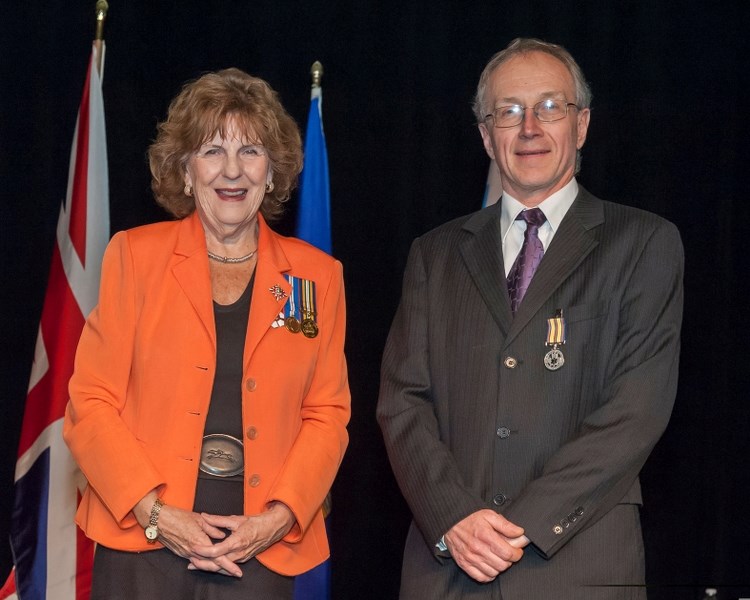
152	531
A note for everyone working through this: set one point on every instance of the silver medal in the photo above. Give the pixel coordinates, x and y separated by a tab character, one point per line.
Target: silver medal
554	359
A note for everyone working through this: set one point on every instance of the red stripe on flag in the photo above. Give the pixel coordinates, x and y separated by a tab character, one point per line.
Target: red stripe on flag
10	586
78	198
61	327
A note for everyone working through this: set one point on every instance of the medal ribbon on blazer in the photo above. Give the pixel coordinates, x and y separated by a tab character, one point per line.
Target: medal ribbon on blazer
308	309
300	312
291	308
556	336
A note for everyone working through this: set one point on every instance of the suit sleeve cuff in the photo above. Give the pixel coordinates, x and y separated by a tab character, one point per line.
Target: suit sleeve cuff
441	545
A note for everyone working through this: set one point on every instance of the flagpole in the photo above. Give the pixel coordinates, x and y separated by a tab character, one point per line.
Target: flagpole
314	227
101	14
316	71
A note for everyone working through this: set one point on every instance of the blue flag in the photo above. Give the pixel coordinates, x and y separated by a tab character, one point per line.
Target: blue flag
494	188
314	217
314	226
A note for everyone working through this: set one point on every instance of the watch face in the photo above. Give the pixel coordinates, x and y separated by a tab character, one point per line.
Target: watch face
151	532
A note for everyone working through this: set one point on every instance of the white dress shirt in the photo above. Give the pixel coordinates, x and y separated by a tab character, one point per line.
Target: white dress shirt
554	208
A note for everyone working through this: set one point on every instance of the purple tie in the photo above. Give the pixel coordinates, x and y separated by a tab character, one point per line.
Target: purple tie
528	258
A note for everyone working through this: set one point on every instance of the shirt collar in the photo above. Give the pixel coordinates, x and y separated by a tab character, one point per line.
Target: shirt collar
554	207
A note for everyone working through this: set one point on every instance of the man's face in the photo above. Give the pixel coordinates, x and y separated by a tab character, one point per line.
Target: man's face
536	159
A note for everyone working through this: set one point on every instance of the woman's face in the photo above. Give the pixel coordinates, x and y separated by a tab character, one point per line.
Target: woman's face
229	176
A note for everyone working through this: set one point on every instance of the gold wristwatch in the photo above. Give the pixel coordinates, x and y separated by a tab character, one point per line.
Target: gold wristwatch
152	531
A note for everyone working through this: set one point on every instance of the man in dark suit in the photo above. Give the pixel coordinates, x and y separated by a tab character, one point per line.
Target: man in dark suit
532	363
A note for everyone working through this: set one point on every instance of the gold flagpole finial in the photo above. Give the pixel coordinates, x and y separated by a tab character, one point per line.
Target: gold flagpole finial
101	14
317	73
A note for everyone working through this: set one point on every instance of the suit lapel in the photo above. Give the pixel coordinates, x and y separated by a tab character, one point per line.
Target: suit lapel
571	244
483	255
191	271
265	307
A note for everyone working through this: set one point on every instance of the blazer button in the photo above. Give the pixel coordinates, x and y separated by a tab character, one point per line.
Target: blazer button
250	384
499	499
254	481
510	362
503	432
565	523
579	511
251	433
557	530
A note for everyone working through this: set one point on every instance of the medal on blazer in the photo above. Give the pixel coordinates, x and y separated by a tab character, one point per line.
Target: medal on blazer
307	306
292	324
291	308
309	328
278	292
554	359
300	311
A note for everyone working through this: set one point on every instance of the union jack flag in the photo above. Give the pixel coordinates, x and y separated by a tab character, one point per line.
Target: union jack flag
52	558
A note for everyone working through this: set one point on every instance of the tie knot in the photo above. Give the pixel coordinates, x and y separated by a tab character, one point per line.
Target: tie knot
533	217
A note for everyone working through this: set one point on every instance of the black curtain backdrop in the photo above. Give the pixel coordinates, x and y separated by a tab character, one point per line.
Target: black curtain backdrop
669	124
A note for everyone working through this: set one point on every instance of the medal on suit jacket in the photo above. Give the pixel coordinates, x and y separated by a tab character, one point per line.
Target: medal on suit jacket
307	307
278	292
291	308
300	311
554	359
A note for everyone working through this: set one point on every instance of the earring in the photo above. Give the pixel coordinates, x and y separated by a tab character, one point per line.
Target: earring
269	187
188	189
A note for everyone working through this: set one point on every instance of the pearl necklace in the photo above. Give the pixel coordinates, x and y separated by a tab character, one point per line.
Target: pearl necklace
230	259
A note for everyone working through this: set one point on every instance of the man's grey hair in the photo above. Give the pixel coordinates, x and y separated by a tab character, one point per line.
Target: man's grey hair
521	46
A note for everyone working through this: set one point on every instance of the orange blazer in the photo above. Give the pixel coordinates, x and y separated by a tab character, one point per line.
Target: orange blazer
144	372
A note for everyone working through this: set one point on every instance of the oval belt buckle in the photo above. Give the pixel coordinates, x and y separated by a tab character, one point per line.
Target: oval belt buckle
222	455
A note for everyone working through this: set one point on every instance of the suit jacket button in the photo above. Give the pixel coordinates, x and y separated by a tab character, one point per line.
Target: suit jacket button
579	511
572	517
503	432
251	433
557	530
254	481
565	523
510	362
250	384
499	499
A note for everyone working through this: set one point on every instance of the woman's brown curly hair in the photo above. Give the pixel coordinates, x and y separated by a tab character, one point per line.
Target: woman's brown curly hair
201	110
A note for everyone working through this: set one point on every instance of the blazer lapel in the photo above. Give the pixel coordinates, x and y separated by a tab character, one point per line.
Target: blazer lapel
191	271
265	305
483	255
571	244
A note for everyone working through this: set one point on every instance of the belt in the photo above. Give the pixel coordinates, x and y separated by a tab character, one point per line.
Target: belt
222	455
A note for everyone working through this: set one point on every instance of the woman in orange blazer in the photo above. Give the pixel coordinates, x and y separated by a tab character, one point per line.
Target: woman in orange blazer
209	402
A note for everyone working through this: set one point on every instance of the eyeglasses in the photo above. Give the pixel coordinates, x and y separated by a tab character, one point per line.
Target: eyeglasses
547	111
